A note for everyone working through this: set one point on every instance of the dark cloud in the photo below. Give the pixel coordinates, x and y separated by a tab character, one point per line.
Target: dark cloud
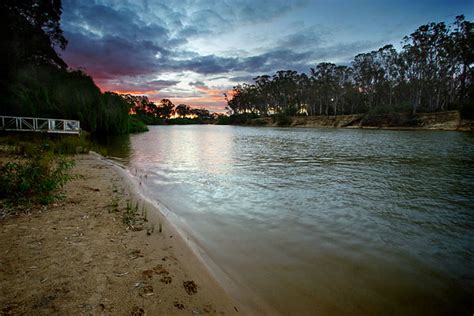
136	85
242	79
126	45
111	56
254	11
112	40
197	83
304	38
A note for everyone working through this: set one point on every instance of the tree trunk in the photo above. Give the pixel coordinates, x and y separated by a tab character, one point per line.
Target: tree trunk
463	83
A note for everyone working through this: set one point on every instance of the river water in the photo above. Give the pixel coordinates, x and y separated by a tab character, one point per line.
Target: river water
323	221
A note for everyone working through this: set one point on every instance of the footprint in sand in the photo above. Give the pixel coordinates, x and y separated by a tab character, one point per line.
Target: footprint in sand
178	305
148	274
146	290
160	270
166	280
137	311
190	287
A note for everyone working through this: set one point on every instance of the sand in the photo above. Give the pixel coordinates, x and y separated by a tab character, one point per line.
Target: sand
78	257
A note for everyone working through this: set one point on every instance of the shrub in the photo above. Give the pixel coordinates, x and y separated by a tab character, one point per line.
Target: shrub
36	178
135	125
282	120
237	119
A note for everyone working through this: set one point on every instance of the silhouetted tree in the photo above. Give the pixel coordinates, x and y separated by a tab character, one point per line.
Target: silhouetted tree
183	110
431	73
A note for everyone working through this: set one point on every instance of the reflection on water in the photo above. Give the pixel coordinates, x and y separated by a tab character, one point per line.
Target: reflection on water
330	221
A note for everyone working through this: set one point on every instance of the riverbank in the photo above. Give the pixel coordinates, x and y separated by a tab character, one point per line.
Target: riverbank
451	121
101	251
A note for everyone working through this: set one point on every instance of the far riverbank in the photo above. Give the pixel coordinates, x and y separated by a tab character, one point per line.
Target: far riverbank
449	121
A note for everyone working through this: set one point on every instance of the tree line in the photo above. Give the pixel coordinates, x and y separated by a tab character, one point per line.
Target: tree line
36	82
165	112
432	72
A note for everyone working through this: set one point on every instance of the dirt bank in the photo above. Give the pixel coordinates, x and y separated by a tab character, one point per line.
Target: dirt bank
78	256
451	121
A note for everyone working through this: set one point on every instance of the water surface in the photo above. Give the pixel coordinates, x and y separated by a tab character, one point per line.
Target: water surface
324	220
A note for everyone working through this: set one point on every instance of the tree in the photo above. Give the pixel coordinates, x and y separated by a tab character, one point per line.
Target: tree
35	81
463	52
431	73
201	113
182	110
31	31
165	109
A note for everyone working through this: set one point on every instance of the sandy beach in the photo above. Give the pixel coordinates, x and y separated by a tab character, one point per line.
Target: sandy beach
79	256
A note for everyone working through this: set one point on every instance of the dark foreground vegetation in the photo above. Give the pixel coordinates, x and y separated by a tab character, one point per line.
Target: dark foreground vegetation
36	82
431	73
33	169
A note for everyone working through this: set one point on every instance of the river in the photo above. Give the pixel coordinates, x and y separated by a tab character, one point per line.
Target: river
322	221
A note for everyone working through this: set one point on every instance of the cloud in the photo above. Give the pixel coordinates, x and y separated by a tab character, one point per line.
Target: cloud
135	85
197	83
243	78
144	46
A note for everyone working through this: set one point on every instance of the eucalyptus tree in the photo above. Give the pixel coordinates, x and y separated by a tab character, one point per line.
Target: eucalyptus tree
327	78
389	69
285	84
433	72
265	94
182	110
425	56
369	76
165	109
463	54
201	113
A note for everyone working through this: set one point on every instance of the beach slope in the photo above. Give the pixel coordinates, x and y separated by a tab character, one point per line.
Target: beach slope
79	256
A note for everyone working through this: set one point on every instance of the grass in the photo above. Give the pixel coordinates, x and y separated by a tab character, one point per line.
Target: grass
133	218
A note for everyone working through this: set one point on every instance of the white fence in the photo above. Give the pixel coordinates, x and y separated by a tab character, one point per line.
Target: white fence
33	124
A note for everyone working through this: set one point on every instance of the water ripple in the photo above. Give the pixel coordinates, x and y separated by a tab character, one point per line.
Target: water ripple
313	206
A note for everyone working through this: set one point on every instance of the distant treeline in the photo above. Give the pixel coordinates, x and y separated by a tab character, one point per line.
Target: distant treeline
165	112
36	82
431	73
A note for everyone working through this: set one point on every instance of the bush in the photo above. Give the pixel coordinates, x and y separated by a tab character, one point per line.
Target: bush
136	126
237	119
282	120
36	178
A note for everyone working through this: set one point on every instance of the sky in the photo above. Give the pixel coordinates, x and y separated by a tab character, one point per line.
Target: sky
193	52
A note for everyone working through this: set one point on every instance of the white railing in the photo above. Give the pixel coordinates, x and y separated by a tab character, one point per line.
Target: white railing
34	124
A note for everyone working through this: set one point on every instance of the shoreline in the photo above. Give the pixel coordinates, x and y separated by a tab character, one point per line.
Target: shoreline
76	256
439	121
248	302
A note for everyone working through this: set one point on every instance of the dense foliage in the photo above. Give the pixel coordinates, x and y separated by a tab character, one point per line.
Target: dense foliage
36	81
136	126
431	73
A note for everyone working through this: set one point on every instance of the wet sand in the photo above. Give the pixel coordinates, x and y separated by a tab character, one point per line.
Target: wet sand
77	256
